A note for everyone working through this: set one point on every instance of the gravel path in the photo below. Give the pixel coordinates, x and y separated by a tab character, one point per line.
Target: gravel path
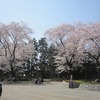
51	91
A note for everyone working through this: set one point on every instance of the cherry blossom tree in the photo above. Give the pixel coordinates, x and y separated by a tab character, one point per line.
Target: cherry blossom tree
62	36
13	44
75	43
90	43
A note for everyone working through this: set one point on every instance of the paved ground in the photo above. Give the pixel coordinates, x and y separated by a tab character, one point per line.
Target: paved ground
51	91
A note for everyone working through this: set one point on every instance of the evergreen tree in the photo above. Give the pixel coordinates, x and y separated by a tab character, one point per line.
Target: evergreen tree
46	58
43	55
51	60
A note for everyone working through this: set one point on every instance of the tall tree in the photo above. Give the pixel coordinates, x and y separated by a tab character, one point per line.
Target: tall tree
34	60
46	57
90	44
43	54
61	36
13	39
52	52
75	42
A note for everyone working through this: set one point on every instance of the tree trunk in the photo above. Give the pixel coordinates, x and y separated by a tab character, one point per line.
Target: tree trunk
12	70
98	69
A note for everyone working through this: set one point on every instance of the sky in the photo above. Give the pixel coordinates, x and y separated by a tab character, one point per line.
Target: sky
41	15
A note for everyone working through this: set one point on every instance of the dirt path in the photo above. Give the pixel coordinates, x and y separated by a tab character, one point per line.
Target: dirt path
53	91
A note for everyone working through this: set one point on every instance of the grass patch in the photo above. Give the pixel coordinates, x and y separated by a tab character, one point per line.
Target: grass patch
86	82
